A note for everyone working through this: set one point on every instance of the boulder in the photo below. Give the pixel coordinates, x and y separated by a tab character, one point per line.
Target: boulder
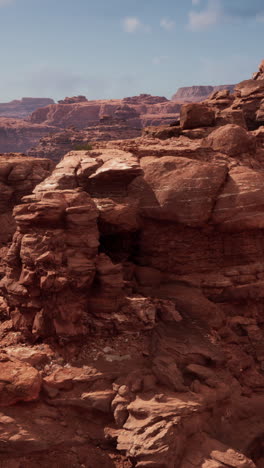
196	115
230	139
19	381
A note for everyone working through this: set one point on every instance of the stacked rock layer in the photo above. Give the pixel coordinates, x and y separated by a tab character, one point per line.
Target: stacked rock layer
132	299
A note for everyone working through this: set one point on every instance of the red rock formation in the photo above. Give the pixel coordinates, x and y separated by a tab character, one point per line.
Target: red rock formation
108	119
138	111
196	115
73	100
17	135
250	95
19	381
22	109
198	93
137	270
56	145
19	174
260	74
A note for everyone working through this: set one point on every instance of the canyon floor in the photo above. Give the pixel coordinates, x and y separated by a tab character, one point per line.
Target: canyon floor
132	295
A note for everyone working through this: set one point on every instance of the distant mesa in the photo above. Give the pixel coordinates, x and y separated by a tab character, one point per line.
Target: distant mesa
145	99
198	93
21	109
73	100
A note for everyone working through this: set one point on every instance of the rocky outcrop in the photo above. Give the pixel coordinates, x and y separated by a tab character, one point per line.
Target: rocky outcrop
19	381
230	139
244	107
250	95
138	112
17	135
21	109
196	115
198	93
146	98
19	174
132	302
56	145
168	248
73	100
100	120
259	75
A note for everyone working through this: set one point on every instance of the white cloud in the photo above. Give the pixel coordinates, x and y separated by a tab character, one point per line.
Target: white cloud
160	59
167	24
132	24
210	16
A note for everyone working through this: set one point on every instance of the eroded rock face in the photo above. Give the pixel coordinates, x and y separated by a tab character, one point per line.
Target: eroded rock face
250	95
17	135
240	205
132	300
55	263
19	175
56	145
181	190
23	108
138	111
260	74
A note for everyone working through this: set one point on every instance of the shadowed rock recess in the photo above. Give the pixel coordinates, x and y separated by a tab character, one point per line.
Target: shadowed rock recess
132	296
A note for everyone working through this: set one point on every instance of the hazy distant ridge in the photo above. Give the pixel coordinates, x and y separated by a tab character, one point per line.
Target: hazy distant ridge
198	93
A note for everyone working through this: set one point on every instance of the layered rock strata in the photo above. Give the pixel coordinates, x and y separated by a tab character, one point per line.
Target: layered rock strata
138	112
132	304
55	146
21	109
19	174
18	136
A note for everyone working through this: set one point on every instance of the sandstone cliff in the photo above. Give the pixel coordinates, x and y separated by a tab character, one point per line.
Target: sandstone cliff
198	93
56	145
17	135
101	120
21	109
132	300
136	110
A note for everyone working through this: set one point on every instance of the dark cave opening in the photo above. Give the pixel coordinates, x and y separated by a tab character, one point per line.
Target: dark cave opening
120	246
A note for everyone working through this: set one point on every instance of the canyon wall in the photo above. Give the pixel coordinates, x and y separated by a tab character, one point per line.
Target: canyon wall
81	114
131	311
17	135
21	109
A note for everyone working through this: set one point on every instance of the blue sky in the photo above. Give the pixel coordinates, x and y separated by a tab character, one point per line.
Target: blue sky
117	48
